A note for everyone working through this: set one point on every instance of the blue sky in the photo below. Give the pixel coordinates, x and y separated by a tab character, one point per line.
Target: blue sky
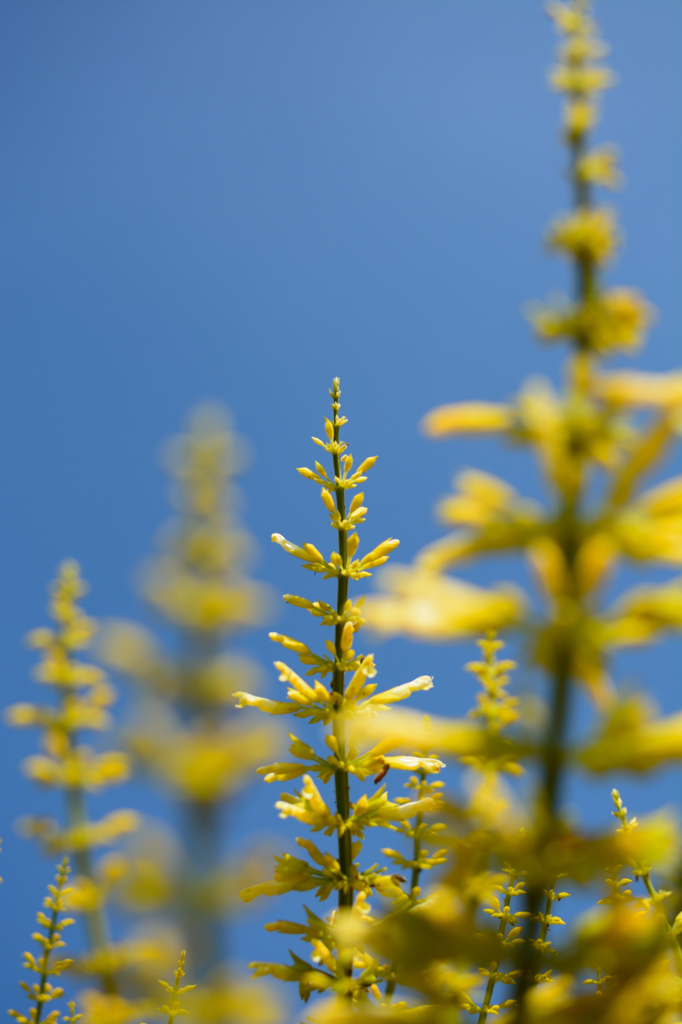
240	200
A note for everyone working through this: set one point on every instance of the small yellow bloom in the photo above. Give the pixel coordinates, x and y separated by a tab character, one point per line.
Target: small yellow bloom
638	389
467	418
579	115
308	807
615	321
581	80
379	701
271	707
589	234
414	764
600	167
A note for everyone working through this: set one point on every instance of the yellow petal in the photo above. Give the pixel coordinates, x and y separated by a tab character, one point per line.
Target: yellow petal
467	418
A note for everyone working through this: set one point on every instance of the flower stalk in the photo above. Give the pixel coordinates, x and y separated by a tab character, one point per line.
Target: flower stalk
42	992
341	780
340	960
83	696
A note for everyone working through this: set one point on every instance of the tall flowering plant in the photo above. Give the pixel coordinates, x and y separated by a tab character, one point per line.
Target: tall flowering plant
596	440
183	734
81	698
338	693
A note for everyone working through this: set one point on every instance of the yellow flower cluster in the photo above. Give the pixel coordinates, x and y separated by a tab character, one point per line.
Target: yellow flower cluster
83	698
174	1007
42	992
184	733
351	708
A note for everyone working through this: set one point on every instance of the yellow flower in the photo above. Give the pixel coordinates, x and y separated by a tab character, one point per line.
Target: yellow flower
615	321
429	765
428	606
271	707
309	807
632	737
588	234
644	613
581	80
482	498
467	418
579	116
380	701
651	527
638	389
600	167
567	17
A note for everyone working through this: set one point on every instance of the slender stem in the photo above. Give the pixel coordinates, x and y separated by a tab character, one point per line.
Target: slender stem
45	962
417	847
553	754
341	785
341	775
200	819
674	939
96	925
205	939
490	987
548	910
586	281
95	920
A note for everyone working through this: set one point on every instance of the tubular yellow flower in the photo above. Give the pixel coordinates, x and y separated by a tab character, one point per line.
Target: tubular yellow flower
467	418
636	389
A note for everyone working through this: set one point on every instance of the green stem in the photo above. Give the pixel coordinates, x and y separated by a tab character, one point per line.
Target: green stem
673	938
554	744
586	278
548	910
390	989
205	934
553	754
95	920
490	987
341	785
44	974
417	848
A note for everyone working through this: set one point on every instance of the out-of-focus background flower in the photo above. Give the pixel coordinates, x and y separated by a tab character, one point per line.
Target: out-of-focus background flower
238	201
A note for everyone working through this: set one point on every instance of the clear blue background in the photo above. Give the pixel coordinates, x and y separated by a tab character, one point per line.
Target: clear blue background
240	200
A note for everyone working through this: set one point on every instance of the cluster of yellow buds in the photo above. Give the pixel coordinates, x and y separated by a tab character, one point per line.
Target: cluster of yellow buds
508	919
497	709
174	1007
42	992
